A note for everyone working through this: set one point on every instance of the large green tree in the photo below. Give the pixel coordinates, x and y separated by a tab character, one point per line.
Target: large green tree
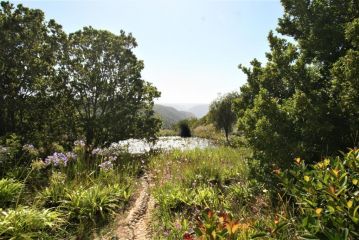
31	51
302	101
111	99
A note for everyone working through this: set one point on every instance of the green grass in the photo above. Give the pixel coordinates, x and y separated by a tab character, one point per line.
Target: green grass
189	182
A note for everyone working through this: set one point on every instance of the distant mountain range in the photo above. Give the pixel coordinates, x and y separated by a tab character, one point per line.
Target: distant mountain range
199	110
170	115
173	113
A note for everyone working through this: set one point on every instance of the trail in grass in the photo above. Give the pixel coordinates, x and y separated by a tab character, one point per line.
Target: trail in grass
136	224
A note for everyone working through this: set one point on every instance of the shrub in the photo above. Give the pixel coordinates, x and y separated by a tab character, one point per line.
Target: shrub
9	190
216	226
29	223
327	196
184	130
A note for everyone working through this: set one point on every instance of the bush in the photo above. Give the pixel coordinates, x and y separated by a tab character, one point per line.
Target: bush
184	130
9	190
29	223
327	196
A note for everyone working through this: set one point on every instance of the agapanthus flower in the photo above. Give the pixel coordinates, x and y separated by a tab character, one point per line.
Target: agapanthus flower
28	147
97	151
79	143
71	155
57	159
106	166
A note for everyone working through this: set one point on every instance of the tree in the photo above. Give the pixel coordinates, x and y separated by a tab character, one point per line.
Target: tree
302	102
30	54
222	114
104	81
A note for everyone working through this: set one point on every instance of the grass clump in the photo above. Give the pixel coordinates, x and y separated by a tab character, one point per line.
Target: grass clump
30	223
96	203
9	191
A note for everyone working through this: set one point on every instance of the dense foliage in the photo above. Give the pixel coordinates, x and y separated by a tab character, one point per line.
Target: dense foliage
304	100
59	87
326	195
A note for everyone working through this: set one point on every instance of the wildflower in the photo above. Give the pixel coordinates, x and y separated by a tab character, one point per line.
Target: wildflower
112	158
71	156
355	181
264	190
297	160
106	166
306	178
97	151
79	143
28	147
57	159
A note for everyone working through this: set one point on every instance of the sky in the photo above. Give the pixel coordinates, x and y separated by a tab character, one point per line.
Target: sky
191	48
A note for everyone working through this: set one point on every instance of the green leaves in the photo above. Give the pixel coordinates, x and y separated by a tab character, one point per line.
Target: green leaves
328	201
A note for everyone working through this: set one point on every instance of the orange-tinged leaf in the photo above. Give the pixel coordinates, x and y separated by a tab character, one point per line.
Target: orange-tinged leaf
235	227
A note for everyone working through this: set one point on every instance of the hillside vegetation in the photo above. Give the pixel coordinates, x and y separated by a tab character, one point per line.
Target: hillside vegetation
170	115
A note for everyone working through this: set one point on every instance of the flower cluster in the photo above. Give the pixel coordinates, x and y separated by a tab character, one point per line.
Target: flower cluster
106	166
79	143
28	147
57	159
97	151
71	155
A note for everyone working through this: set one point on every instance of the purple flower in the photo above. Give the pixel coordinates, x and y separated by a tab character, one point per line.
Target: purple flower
107	165
112	158
57	159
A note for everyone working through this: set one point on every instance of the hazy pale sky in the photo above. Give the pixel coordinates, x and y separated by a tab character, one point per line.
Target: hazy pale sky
191	48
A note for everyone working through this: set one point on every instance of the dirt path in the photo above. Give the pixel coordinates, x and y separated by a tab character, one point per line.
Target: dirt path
136	225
